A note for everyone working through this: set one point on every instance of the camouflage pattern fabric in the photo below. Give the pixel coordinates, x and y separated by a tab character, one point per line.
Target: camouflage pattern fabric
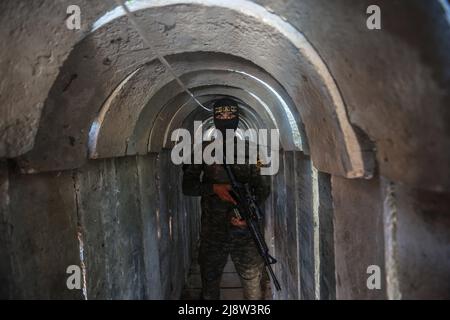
218	237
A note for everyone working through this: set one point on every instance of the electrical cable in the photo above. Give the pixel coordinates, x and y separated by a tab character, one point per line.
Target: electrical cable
160	57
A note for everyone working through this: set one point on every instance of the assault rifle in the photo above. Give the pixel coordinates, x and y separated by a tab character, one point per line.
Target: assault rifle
249	210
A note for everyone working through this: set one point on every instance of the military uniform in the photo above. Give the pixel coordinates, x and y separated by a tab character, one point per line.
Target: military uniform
218	237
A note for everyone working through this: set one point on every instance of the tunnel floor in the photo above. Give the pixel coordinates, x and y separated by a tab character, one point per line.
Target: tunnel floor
230	287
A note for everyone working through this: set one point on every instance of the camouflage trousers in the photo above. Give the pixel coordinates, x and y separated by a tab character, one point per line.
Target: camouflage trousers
218	240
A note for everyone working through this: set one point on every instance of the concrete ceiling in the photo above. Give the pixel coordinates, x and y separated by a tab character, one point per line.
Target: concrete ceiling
354	99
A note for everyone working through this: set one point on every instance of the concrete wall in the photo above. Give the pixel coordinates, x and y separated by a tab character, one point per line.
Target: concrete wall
41	239
134	224
359	237
417	236
299	229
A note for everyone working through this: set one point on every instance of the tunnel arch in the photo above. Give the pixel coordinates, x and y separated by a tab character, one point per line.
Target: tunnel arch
249	117
141	113
318	94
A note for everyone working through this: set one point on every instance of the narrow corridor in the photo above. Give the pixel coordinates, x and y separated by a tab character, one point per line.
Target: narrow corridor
359	204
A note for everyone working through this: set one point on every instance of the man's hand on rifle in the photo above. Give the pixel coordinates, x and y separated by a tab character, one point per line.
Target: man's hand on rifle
238	222
223	192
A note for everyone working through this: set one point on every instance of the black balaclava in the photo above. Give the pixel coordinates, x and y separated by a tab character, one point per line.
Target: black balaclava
229	107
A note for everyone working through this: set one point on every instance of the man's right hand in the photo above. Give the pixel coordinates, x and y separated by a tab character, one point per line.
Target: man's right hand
223	192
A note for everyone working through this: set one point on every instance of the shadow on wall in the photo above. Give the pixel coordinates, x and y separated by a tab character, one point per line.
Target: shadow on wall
136	231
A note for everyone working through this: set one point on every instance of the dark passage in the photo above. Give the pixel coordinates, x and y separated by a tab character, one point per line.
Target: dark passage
359	207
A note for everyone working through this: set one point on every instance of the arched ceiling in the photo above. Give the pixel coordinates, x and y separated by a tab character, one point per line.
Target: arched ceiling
360	98
240	29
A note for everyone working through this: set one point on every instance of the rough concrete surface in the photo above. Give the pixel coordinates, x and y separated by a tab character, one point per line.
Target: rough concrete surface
86	117
358	237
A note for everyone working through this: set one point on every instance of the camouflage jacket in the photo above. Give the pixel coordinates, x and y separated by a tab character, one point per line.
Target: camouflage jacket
198	180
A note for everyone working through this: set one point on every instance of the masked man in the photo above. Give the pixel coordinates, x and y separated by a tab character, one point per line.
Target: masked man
223	233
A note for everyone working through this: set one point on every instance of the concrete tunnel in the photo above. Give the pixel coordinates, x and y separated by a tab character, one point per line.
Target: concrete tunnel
85	141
